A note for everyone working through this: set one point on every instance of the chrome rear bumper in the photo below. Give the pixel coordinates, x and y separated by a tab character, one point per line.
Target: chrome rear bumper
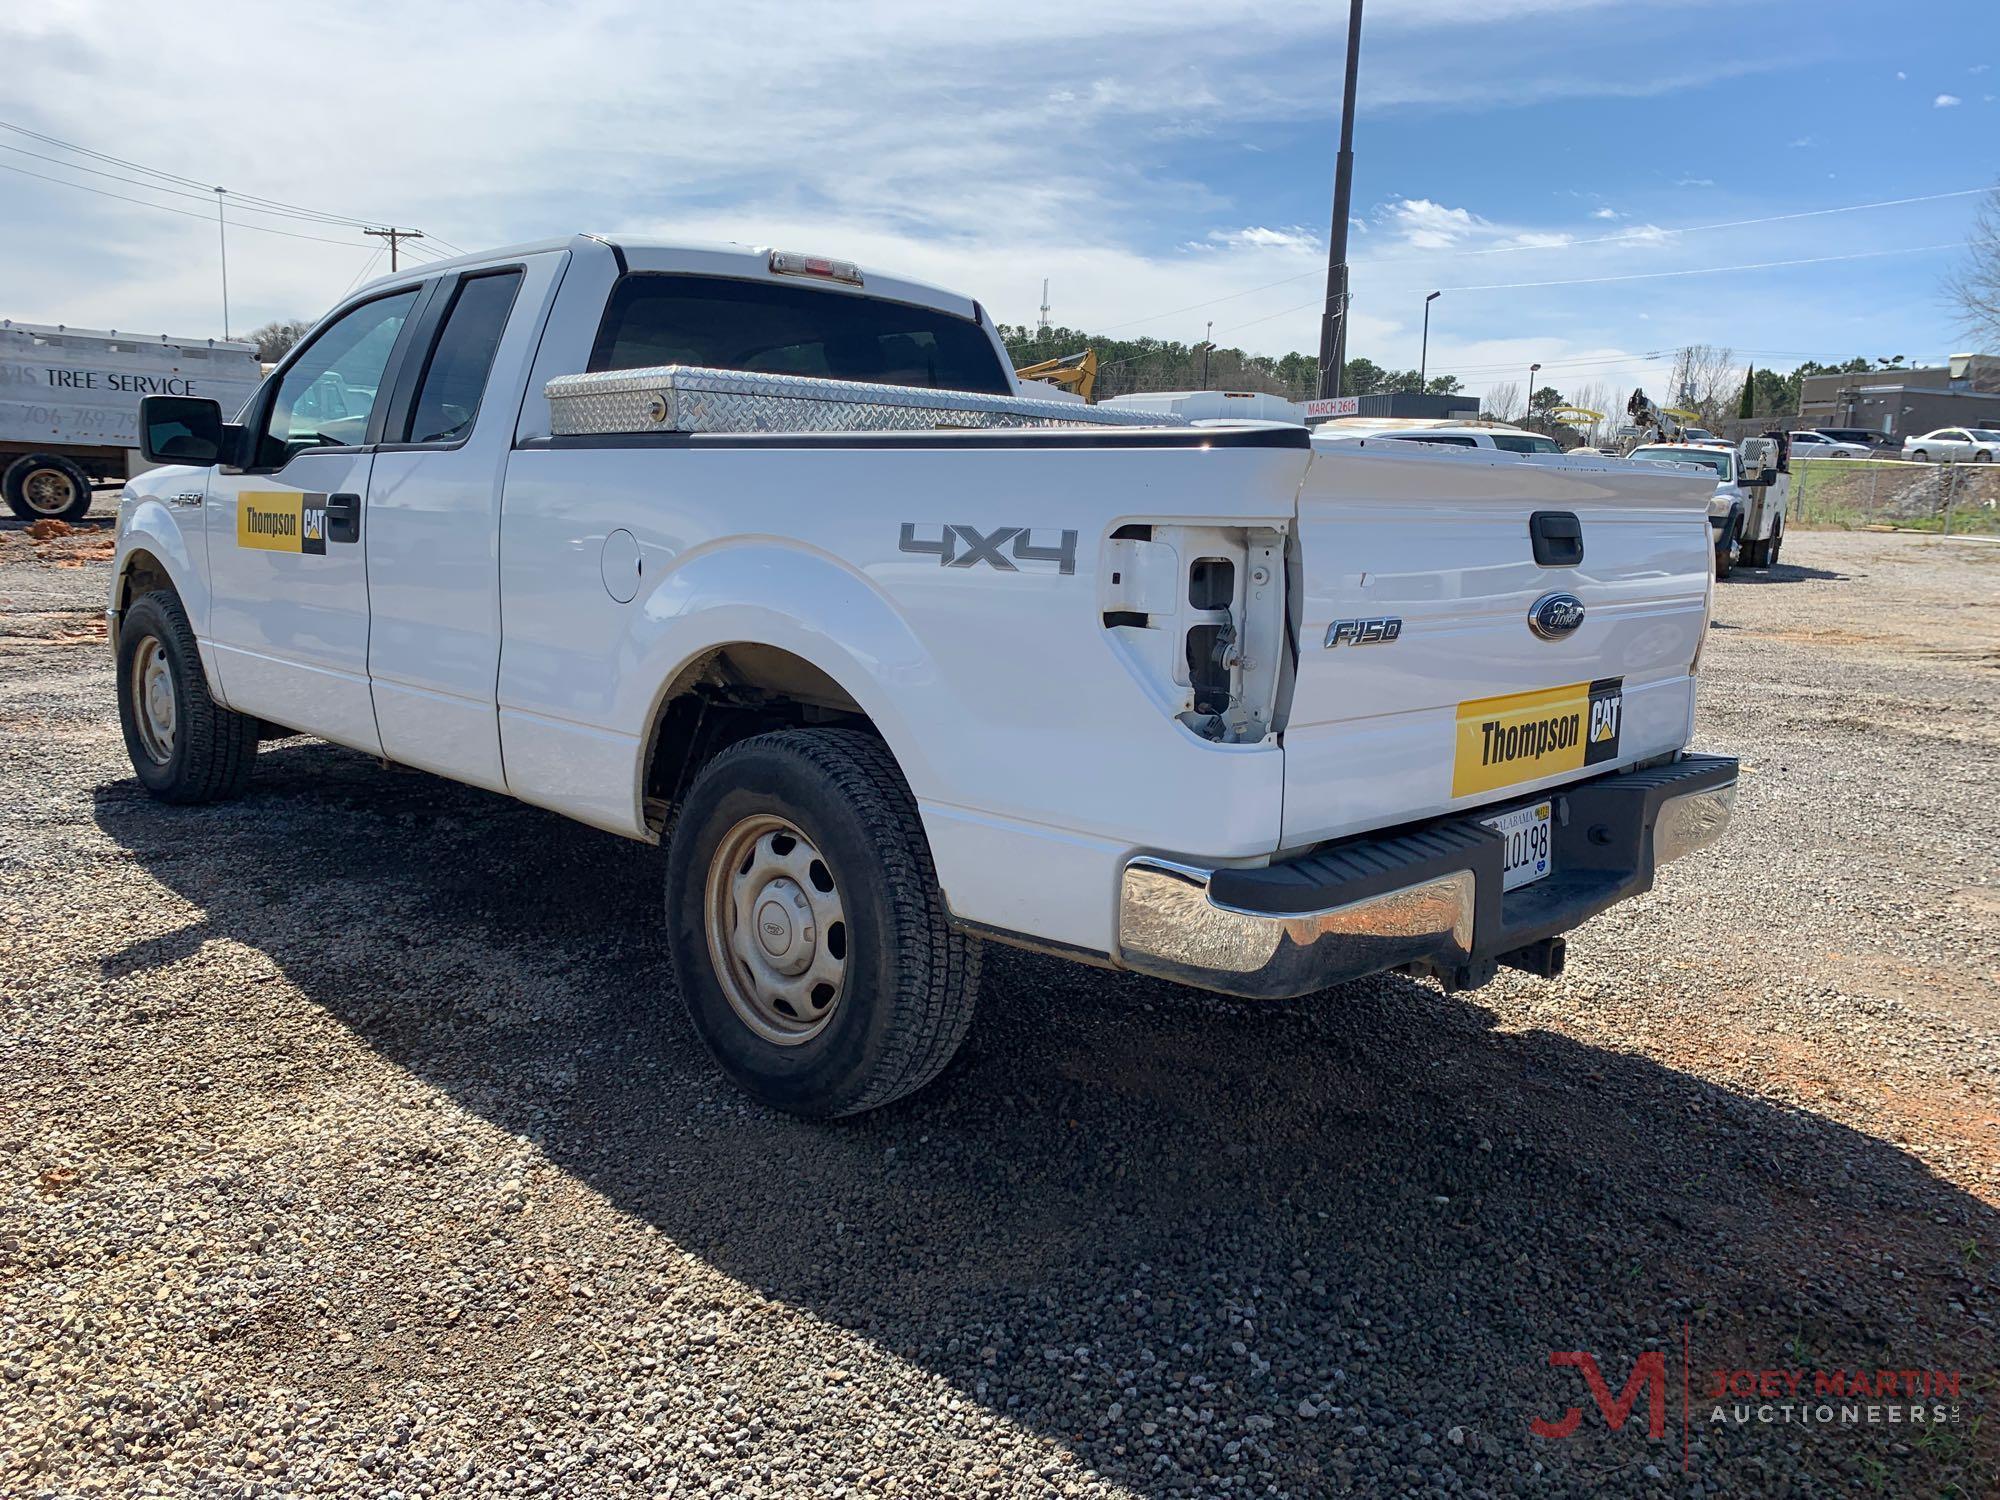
1342	912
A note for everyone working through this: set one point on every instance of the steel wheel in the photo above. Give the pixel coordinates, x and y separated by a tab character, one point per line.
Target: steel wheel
777	934
154	709
48	491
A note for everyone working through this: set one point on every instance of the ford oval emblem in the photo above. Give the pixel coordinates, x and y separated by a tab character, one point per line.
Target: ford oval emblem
1555	616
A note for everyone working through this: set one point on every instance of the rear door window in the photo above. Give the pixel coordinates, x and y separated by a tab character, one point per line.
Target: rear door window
1515	442
455	379
1441	440
767	327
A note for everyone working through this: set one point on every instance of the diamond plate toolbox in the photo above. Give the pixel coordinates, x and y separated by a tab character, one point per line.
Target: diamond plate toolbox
687	398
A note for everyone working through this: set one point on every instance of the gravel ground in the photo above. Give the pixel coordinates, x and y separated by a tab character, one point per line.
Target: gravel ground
356	1144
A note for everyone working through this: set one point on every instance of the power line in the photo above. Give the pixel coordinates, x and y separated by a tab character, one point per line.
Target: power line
118	161
1514	286
1637	236
165	208
238	200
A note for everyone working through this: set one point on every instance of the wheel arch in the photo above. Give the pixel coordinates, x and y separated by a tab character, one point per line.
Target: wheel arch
153	553
732	691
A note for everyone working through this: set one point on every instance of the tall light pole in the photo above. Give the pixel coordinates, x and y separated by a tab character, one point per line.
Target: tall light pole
1424	359
1528	410
222	238
1333	321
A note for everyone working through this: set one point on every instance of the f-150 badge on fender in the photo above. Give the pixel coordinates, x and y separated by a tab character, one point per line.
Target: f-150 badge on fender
1362	632
968	546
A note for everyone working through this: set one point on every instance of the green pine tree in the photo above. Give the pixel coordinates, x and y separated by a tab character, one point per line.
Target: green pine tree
1747	407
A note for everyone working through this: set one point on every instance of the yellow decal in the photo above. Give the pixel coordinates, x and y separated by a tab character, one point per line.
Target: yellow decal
273	521
281	521
1526	736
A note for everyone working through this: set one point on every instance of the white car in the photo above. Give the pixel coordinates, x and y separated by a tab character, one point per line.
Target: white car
766	558
1819	445
1971	445
1506	439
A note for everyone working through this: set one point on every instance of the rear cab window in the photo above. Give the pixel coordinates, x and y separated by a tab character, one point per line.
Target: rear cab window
715	322
455	378
1446	440
1515	442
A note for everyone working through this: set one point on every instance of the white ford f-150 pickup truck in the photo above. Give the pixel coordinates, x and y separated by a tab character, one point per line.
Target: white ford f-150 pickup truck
772	561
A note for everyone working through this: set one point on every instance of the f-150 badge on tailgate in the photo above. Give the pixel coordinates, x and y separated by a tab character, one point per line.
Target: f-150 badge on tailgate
1362	632
967	546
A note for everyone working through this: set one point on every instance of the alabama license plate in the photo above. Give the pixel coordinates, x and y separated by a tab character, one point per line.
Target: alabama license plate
1524	844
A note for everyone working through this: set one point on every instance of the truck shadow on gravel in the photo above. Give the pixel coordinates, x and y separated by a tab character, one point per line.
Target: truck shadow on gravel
1326	1246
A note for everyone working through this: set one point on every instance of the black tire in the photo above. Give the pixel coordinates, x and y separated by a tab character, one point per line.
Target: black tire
910	980
1921	456
1750	555
46	487
1771	547
209	749
1726	550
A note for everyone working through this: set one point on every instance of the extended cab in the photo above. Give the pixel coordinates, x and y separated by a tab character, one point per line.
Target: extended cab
770	560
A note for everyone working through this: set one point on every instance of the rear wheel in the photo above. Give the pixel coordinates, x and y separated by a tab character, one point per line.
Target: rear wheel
46	487
185	747
808	933
1750	554
1771	547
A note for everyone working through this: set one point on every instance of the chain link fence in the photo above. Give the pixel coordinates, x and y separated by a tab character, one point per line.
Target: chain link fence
1850	493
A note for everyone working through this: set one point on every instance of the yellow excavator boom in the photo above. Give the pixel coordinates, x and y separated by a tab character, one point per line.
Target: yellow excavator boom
1073	372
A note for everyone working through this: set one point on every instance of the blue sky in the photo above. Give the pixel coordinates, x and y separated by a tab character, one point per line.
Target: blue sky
1162	164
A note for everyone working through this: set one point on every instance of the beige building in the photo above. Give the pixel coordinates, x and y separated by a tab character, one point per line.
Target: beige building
1903	403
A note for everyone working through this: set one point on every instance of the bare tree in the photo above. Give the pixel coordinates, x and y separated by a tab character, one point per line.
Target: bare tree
1592	397
276	337
1504	400
1706	379
1975	284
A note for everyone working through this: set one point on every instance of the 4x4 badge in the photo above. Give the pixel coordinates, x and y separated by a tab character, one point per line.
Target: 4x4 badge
968	546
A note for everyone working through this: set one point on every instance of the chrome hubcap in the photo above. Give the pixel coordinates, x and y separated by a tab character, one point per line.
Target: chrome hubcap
48	491
154	710
777	933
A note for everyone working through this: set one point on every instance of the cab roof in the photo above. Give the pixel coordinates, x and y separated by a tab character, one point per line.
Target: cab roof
695	258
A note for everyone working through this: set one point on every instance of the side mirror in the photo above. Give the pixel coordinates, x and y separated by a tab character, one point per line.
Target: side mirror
180	429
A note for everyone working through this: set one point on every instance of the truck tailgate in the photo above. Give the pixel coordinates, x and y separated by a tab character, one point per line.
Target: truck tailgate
1460	702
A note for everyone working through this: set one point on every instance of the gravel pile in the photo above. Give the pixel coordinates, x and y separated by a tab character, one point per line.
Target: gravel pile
357	1146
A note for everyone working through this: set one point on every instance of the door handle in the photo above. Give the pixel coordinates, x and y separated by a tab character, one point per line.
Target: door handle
343	518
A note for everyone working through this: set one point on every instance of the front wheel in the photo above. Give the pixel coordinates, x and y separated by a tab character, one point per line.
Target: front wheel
46	487
185	747
1726	551
808	933
1921	456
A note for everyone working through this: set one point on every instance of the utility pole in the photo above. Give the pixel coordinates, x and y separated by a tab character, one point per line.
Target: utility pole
1042	328
393	236
222	238
1333	321
1207	348
1424	359
1529	410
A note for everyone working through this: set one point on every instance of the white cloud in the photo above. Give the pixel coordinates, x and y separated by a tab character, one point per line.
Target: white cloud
1801	142
1604	213
1259	237
1946	101
1900	77
1431	226
1695	182
1979	67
